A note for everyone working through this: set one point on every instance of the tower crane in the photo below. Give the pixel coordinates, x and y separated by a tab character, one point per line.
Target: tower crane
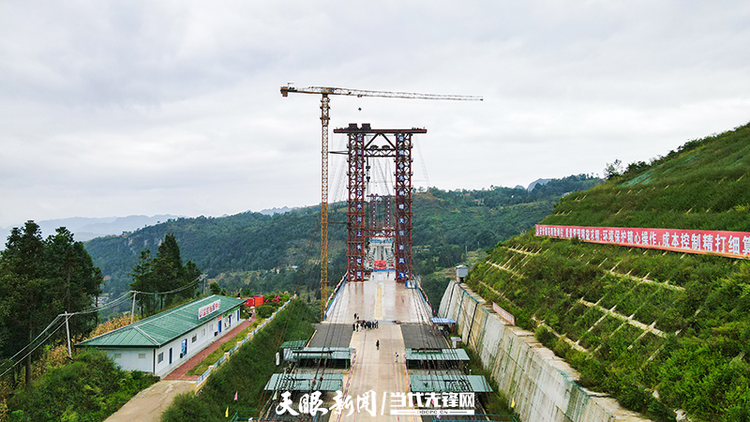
325	92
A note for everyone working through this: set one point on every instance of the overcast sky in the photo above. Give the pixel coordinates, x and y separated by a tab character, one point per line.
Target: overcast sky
173	107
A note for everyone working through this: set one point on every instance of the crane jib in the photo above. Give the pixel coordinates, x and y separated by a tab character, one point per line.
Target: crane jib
285	90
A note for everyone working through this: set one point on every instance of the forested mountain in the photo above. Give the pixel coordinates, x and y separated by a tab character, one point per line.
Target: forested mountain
446	224
658	330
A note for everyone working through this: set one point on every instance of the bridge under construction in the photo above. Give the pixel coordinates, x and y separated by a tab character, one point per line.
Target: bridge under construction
379	353
380	347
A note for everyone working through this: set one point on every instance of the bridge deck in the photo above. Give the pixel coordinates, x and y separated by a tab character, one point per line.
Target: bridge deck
391	304
379	298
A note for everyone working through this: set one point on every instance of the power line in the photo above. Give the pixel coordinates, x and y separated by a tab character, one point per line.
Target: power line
120	300
34	349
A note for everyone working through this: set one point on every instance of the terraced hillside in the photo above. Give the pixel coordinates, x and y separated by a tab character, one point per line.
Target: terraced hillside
657	330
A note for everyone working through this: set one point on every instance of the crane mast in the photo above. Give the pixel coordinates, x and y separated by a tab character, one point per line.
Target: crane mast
325	109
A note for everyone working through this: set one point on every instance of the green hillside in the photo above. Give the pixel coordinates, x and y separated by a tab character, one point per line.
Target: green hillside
657	330
702	185
251	245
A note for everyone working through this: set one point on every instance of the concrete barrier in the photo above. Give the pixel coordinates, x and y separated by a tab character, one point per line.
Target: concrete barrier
541	386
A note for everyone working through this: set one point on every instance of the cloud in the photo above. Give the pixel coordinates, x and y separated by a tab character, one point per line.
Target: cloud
115	108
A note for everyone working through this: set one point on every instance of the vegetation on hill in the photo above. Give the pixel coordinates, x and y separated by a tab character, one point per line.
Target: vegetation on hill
258	253
449	225
702	185
247	372
247	241
657	330
90	388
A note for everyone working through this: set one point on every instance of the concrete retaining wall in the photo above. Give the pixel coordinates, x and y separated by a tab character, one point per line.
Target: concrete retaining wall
541	385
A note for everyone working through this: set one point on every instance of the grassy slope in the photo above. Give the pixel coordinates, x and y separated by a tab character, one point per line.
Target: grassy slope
697	356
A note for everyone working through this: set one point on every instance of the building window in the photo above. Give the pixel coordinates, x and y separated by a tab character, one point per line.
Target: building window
141	356
203	332
161	357
118	355
195	338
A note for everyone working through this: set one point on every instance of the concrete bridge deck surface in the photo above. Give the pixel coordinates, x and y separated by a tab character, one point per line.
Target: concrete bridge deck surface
379	370
379	298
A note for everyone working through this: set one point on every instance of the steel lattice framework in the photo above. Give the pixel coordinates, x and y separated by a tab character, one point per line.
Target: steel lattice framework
364	143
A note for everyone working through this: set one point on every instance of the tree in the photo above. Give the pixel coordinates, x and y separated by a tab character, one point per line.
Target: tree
214	288
163	273
68	263
40	279
26	294
613	169
143	282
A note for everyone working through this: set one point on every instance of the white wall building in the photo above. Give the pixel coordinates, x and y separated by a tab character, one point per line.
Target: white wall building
162	342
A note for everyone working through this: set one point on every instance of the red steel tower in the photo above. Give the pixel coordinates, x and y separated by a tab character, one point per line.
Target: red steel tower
364	143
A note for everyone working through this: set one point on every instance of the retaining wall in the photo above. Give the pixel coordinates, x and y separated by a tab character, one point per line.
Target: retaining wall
541	386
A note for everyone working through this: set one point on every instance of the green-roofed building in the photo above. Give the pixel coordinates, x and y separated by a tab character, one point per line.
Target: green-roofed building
162	342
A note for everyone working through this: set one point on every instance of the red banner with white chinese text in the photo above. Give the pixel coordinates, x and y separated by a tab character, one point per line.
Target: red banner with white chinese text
724	243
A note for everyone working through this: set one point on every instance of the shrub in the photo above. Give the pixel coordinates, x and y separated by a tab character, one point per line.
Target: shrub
90	388
265	310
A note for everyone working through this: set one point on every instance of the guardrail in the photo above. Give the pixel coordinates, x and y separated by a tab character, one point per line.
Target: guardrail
333	297
204	377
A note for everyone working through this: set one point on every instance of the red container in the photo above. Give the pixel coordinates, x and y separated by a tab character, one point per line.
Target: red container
258	299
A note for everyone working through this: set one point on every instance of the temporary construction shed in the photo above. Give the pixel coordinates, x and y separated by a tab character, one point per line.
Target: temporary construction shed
162	342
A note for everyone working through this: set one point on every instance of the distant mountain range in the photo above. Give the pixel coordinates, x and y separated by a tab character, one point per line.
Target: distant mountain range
84	228
536	182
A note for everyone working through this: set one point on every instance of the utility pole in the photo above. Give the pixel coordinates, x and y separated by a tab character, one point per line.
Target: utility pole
132	308
67	330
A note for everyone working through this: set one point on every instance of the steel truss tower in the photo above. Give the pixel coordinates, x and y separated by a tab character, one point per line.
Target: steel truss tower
364	143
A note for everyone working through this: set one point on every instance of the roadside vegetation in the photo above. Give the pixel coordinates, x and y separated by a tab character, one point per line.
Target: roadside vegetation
497	403
657	330
202	366
88	389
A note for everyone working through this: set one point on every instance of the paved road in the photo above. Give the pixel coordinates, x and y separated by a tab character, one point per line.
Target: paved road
380	298
149	404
